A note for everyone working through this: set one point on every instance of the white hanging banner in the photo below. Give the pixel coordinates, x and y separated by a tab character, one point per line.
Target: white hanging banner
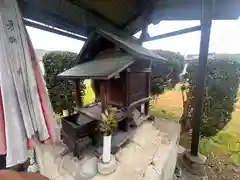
23	113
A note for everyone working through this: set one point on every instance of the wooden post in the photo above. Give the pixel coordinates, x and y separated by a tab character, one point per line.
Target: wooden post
127	87
206	22
104	85
148	87
78	93
129	118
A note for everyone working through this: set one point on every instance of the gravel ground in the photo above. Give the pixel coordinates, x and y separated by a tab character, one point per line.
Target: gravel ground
211	174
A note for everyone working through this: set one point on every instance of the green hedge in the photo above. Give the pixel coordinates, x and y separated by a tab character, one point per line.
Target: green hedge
62	92
221	89
166	76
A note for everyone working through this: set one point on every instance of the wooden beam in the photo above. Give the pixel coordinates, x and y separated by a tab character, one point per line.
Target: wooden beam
206	23
93	12
145	35
137	103
127	89
134	18
143	17
142	6
35	12
54	30
175	33
148	91
80	22
104	90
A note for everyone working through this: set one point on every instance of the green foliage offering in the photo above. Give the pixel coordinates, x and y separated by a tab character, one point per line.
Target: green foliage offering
108	123
62	92
166	76
221	88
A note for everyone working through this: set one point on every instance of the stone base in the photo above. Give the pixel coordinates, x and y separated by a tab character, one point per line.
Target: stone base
174	177
88	168
194	164
107	168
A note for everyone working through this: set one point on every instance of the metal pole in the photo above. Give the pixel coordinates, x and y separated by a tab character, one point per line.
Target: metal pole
206	23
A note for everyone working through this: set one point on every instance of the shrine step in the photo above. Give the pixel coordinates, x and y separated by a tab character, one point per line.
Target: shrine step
118	140
138	121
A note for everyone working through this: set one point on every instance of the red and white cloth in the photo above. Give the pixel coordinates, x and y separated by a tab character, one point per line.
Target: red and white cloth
25	109
2	129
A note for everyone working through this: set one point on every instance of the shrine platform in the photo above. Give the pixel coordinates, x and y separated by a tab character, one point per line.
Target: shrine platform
151	154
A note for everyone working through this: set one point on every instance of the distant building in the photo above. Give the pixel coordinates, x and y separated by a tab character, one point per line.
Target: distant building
39	54
190	57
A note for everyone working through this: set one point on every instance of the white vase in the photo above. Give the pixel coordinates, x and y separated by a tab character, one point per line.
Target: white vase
65	113
142	108
107	141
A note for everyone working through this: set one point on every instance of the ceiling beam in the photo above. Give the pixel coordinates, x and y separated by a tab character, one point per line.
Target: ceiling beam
144	11
175	33
141	7
36	13
93	12
54	30
131	20
78	21
140	21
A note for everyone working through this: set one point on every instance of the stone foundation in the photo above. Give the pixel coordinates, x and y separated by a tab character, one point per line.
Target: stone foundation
150	155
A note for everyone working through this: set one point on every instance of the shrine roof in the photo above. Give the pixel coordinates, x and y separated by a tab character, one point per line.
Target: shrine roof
103	68
102	40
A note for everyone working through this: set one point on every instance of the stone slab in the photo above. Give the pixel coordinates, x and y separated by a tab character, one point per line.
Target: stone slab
150	154
107	168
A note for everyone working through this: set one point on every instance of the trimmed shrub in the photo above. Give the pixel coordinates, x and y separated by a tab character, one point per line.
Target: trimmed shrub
166	76
220	95
62	92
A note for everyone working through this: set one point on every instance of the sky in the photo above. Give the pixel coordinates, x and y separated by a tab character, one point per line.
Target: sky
225	38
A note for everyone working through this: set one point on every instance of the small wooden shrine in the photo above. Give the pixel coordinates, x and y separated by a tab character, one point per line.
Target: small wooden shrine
120	70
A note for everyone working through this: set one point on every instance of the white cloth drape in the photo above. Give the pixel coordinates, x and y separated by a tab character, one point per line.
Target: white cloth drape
22	107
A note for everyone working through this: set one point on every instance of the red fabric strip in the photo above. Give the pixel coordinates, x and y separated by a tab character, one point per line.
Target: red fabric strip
2	128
